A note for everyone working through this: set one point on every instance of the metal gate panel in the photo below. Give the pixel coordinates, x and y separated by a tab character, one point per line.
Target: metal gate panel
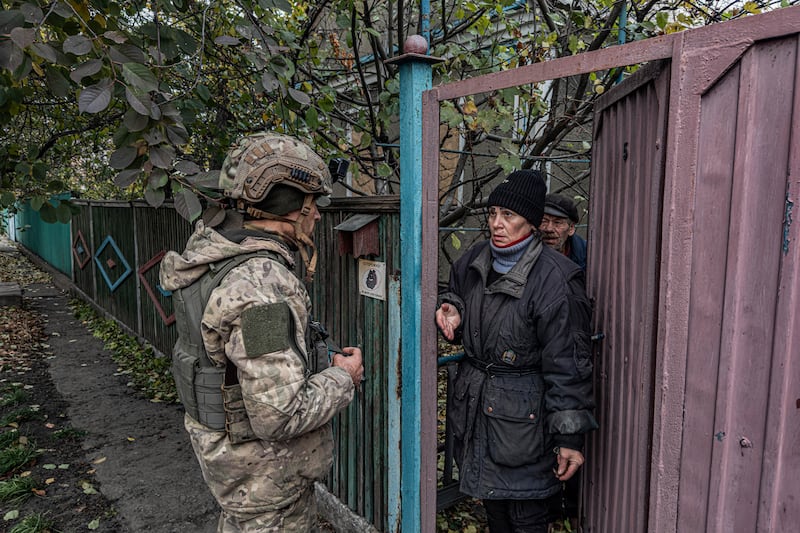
778	507
740	197
622	274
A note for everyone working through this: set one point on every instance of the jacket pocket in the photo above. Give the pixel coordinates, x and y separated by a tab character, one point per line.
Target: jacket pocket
513	408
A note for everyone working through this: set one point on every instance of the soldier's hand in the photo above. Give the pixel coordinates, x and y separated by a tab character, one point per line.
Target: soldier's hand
351	360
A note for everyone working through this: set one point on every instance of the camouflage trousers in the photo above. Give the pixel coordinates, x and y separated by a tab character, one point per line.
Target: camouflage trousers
299	517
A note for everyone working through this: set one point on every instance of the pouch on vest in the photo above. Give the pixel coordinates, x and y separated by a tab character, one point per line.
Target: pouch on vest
237	423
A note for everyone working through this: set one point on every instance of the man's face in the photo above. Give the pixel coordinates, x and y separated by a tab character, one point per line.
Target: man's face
507	227
555	231
308	222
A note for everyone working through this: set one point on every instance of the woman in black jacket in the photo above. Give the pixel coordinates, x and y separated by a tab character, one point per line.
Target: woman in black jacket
522	399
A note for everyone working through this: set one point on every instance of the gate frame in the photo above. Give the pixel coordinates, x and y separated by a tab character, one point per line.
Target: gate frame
699	57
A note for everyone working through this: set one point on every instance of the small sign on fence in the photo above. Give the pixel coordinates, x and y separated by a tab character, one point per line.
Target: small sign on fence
372	279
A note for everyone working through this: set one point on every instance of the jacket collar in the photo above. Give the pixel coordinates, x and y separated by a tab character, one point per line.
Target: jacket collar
513	282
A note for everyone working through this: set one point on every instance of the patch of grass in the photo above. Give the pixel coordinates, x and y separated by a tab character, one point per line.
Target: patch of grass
7	438
13	396
17	489
13	457
22	414
69	433
35	523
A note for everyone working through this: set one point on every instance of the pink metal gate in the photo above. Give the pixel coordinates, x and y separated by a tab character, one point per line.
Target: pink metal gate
695	269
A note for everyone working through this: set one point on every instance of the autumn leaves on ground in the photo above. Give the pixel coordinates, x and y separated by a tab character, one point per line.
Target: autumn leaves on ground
45	483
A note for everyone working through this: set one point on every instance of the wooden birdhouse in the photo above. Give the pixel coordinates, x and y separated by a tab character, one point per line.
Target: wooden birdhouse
358	235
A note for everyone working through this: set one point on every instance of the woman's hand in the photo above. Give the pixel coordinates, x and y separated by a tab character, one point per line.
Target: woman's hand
569	461
448	319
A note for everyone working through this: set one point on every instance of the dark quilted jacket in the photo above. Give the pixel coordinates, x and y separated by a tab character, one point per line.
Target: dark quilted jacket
525	384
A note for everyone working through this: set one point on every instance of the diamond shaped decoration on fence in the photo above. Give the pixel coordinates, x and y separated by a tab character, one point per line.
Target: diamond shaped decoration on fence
80	250
112	285
156	259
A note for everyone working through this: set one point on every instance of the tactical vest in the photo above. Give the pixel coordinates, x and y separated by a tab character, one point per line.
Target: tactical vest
198	380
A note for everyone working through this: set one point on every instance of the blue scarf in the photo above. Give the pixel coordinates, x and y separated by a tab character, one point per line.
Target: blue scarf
504	259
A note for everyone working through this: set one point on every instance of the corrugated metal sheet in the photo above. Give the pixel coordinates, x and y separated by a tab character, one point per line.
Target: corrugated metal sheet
622	272
694	269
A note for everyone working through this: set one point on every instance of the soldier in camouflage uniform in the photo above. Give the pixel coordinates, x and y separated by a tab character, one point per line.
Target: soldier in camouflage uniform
256	319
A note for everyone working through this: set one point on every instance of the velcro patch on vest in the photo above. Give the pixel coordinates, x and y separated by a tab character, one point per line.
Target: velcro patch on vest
267	328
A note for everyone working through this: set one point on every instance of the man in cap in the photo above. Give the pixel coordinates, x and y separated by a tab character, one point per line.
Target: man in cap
558	228
522	399
257	415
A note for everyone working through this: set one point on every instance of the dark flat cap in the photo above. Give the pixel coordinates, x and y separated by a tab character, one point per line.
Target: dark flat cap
562	206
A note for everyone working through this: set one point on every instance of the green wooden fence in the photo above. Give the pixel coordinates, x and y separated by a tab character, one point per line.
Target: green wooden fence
51	242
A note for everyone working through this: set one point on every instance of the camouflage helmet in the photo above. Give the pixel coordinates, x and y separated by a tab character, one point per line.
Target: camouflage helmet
260	161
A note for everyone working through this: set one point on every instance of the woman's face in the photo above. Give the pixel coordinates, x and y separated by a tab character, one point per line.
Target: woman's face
507	227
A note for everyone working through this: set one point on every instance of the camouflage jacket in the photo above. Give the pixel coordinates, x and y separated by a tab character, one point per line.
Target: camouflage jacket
289	408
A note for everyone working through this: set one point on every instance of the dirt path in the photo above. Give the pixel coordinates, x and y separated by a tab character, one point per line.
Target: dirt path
149	473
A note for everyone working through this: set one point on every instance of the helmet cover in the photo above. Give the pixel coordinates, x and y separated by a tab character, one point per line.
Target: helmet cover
260	161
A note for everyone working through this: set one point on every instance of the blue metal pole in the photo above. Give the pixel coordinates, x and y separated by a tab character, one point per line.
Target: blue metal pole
425	21
622	35
415	77
394	438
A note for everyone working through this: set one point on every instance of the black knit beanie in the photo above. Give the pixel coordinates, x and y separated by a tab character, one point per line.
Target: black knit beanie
523	192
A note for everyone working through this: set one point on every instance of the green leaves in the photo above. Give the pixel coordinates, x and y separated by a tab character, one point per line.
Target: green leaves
139	76
78	45
95	98
123	157
187	204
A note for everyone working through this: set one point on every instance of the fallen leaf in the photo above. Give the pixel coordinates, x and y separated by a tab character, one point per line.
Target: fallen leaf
25	473
49	466
99	460
23	440
39	492
63	466
131	439
49	481
94	524
49	425
91	471
11	515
